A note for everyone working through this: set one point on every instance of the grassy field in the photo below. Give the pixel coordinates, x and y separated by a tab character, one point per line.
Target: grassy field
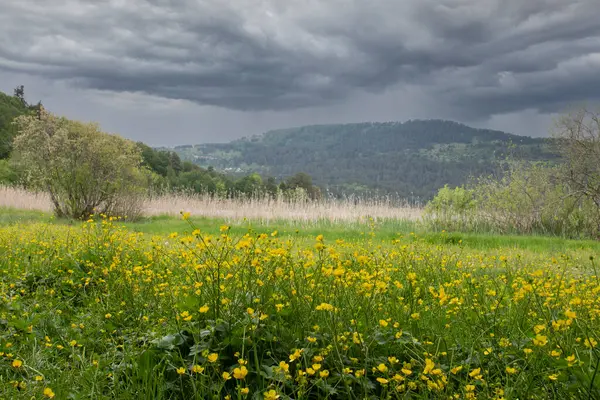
167	308
384	229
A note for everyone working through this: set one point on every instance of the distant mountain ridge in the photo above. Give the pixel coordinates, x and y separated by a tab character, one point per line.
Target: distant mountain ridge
412	158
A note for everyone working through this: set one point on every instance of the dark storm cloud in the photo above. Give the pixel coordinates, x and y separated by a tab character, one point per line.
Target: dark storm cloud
475	58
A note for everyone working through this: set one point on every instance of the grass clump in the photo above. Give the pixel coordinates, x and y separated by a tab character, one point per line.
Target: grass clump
99	311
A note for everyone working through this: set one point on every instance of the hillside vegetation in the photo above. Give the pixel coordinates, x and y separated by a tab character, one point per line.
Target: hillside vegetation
10	108
413	158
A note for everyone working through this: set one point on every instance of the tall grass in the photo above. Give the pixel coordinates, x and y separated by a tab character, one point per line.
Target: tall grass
269	209
263	208
13	197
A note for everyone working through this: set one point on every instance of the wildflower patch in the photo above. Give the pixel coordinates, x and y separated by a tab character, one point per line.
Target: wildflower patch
99	310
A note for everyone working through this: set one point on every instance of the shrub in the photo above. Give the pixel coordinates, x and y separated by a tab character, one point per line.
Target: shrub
527	198
82	168
578	141
451	207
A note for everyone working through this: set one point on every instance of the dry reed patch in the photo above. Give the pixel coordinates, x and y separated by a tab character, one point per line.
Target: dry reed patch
237	209
25	200
268	209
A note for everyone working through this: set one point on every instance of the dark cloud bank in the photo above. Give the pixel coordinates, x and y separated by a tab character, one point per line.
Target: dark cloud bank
303	61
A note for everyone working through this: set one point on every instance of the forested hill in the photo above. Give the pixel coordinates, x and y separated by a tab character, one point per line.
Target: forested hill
413	158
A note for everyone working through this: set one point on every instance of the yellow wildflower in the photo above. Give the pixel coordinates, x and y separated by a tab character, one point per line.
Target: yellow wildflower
540	340
476	373
511	370
270	395
456	370
240	373
295	355
197	369
429	366
382	368
285	367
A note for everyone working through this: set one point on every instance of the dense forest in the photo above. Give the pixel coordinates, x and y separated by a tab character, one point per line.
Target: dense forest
167	172
412	159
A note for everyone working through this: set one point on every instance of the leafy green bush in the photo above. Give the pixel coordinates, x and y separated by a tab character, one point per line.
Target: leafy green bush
527	198
451	207
84	170
8	175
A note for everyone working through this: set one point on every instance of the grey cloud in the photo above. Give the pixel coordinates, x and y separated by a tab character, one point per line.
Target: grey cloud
164	122
473	58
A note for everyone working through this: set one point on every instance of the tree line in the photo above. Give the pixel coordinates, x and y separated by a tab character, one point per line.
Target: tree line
173	174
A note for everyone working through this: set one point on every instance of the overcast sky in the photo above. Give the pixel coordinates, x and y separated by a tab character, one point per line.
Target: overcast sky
191	71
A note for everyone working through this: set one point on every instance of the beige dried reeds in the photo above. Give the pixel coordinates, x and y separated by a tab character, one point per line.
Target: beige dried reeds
264	209
12	197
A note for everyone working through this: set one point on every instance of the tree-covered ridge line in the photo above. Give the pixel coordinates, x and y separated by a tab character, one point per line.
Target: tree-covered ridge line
415	158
